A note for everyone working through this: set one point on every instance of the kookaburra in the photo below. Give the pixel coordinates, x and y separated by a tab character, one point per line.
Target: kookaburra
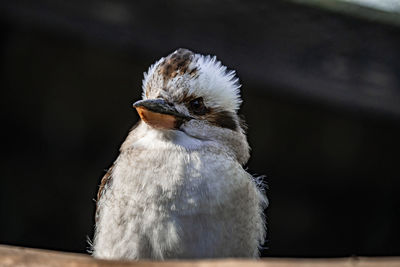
178	189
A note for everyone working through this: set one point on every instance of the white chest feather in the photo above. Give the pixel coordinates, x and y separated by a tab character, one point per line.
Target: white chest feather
178	198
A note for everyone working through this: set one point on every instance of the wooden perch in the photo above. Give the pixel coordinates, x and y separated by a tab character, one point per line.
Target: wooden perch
18	256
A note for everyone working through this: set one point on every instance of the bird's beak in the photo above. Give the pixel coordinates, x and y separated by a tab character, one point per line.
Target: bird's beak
159	114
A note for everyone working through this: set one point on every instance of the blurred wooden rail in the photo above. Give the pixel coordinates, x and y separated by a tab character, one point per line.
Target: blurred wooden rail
18	256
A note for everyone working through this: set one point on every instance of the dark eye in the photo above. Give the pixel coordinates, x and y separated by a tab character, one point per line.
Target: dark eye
197	106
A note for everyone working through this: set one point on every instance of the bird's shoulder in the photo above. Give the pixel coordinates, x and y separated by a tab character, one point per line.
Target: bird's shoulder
104	181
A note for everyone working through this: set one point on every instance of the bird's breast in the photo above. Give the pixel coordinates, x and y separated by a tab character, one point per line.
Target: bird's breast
174	178
180	199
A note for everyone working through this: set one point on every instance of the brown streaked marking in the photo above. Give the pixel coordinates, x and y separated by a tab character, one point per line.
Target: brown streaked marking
221	118
177	63
224	119
193	72
147	91
185	98
157	120
104	181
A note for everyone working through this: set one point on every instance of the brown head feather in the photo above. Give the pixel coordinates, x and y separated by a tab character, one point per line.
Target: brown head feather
177	63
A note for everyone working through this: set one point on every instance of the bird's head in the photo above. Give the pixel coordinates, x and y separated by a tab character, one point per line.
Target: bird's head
195	95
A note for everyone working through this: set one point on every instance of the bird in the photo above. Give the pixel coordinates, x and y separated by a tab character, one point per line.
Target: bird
179	188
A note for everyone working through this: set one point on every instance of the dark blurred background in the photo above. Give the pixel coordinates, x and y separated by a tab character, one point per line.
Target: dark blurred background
321	90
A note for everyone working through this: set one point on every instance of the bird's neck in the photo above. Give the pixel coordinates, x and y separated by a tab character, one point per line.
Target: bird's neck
145	137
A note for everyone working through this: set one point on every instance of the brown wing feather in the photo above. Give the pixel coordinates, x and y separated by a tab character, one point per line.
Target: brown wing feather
106	178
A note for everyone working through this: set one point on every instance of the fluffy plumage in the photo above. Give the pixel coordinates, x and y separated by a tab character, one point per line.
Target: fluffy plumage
182	192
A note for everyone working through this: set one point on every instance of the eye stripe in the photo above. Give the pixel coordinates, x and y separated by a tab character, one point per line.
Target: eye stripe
224	119
221	118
